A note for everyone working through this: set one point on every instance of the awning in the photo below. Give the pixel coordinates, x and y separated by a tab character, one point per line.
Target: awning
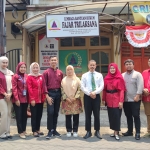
112	8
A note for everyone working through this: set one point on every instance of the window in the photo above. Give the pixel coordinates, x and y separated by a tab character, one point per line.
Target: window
94	41
104	41
66	42
79	41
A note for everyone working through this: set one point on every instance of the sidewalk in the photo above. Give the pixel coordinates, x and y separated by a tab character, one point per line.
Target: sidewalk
107	143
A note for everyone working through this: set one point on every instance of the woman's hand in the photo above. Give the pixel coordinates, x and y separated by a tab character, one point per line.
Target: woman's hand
145	92
103	102
69	100
120	105
17	103
33	103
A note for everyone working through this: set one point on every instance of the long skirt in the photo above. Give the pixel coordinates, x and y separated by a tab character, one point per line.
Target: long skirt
114	115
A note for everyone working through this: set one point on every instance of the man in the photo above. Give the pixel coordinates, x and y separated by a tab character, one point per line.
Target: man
146	97
134	87
92	84
53	77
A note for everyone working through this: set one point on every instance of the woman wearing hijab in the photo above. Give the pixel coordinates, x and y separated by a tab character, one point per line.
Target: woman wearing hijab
5	98
37	91
20	101
113	97
71	102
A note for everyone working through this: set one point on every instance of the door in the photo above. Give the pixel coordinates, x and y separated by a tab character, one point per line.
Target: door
102	58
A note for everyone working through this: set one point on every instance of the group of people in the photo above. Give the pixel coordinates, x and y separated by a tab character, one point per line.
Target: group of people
119	91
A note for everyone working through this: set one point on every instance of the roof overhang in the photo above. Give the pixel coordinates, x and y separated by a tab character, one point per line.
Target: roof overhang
106	8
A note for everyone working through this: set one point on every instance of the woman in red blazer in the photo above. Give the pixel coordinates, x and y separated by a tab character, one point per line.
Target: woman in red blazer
37	91
113	97
20	100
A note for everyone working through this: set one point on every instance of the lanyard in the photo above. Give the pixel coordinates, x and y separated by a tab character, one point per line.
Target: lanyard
23	80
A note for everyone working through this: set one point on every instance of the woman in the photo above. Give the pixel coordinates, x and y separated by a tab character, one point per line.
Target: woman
71	102
113	97
20	100
37	91
5	98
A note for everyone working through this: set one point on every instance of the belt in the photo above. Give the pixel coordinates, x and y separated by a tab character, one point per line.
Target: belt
111	91
55	90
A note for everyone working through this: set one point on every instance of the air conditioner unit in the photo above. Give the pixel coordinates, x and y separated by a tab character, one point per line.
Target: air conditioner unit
15	30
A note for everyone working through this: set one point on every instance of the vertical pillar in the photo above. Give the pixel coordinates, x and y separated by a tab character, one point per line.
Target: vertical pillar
36	47
24	45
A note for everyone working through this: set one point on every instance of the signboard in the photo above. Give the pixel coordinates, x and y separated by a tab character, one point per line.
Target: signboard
47	47
141	12
72	25
76	58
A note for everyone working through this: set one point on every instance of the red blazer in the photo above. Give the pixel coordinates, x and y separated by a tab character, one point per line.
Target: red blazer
146	76
36	89
17	89
112	100
3	85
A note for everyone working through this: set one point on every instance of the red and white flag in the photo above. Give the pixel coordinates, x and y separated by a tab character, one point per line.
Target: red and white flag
138	36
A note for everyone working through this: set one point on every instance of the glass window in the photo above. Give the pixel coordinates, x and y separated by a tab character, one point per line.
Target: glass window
94	41
78	41
104	41
104	58
66	42
95	57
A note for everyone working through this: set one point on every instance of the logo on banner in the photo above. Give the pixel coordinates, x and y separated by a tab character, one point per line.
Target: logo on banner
46	46
54	25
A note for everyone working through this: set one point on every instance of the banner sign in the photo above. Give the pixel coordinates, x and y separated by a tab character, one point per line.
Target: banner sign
76	58
138	36
47	47
72	25
141	12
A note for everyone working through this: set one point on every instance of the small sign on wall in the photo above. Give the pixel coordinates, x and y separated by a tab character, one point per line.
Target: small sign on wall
47	47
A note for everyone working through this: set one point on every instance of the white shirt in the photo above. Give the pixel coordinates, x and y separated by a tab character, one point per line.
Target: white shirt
86	85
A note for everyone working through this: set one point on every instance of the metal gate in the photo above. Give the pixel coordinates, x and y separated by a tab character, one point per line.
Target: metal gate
14	56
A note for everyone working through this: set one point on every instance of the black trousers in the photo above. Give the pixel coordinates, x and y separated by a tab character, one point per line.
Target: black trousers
53	110
21	116
36	115
132	110
69	126
92	105
114	115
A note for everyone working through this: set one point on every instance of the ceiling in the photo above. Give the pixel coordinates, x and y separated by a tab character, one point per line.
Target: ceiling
18	5
112	9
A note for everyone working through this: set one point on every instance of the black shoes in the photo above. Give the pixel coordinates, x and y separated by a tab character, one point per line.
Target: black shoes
49	135
55	133
97	134
127	134
137	136
88	134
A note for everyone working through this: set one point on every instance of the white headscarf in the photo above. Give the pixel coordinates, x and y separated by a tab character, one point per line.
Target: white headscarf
5	71
31	68
70	83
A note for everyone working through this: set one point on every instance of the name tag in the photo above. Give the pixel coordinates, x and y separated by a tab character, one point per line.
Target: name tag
24	92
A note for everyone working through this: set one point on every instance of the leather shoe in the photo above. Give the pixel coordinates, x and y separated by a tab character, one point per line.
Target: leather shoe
137	136
97	134
127	134
88	134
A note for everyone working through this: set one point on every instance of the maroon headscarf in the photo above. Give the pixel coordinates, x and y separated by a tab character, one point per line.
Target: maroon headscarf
116	78
18	67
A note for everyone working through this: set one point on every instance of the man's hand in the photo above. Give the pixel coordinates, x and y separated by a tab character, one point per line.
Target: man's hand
17	103
33	103
146	92
120	105
49	100
137	98
93	95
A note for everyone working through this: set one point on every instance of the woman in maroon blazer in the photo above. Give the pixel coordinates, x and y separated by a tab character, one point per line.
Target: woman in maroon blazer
20	100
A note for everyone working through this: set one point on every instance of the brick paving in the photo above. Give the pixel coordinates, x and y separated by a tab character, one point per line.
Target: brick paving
107	143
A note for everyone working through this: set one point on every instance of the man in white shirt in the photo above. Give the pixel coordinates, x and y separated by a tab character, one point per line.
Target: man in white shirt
92	84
